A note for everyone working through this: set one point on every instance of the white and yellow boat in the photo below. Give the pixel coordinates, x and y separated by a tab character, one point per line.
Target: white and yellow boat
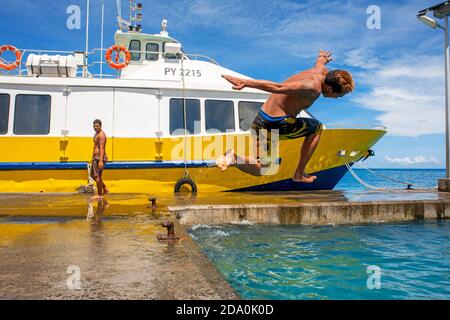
47	109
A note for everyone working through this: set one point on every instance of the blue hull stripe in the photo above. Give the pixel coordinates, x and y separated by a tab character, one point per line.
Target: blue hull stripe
326	180
9	166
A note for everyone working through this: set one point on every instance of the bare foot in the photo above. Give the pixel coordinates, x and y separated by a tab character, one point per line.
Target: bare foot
105	190
305	178
225	160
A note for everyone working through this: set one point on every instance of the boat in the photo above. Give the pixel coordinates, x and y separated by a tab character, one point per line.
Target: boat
167	114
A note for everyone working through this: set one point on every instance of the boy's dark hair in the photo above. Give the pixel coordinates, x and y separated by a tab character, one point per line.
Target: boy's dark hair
340	81
98	121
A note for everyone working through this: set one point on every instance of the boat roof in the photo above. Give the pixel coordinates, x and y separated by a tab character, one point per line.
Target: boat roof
122	37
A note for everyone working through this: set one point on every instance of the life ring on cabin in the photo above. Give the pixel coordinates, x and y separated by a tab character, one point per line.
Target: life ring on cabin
15	64
116	64
185	181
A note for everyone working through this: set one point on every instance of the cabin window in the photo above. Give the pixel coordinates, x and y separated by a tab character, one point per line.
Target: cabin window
247	113
32	114
177	116
152	49
4	113
219	115
135	45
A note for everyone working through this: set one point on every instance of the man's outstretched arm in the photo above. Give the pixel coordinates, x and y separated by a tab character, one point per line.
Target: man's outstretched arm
269	86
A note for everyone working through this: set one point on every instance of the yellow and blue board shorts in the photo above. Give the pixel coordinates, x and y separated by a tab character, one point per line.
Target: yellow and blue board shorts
289	127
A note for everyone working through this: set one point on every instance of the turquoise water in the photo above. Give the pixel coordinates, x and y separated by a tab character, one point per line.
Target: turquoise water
305	262
425	178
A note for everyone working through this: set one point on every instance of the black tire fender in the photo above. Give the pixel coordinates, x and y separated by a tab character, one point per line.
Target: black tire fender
183	181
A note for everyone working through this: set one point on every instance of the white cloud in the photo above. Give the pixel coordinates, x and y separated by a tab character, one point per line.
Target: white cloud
413	160
409	96
361	58
431	70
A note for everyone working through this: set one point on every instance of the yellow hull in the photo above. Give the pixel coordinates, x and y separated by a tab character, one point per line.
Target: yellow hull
52	164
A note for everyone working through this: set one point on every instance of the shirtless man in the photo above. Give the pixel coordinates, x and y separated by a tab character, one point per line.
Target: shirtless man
99	159
288	98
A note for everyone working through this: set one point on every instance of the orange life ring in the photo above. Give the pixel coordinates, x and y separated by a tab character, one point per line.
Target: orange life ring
117	65
10	66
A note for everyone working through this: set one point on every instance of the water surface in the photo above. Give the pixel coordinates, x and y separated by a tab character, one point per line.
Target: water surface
305	262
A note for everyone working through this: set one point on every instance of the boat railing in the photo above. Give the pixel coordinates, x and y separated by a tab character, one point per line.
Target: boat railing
201	58
97	56
6	72
355	126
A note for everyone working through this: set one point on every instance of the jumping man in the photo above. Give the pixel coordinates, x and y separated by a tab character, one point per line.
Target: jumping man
99	159
288	98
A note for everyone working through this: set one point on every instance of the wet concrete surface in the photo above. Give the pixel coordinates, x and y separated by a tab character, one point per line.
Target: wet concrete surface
118	256
45	238
74	205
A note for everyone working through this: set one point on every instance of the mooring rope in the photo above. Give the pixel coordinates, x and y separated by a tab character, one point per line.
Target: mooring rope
369	186
365	184
408	184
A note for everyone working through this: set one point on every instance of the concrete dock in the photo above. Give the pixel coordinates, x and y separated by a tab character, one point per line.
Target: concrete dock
114	242
321	208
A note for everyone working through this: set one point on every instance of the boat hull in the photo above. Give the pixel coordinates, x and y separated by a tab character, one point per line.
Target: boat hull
151	165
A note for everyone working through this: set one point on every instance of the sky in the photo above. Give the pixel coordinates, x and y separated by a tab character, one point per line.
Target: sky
396	61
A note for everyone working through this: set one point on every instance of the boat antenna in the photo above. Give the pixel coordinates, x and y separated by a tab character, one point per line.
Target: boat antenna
87	40
101	39
131	10
164	28
119	9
